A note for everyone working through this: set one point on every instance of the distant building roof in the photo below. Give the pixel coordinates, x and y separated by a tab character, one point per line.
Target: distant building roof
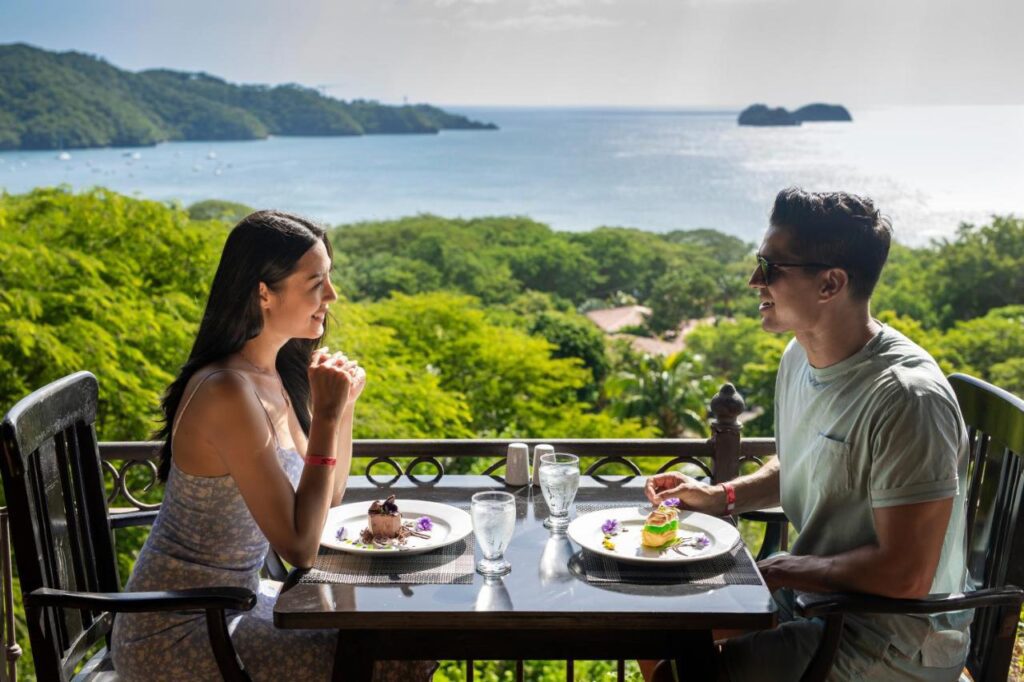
645	344
655	346
611	320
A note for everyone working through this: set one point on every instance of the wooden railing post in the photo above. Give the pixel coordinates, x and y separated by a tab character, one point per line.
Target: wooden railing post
726	407
12	652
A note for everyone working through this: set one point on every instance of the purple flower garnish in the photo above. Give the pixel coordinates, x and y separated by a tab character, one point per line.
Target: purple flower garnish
611	527
340	535
670	502
703	541
424	523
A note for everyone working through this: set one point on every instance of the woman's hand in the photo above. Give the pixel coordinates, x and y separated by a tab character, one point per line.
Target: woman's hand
356	374
330	384
692	494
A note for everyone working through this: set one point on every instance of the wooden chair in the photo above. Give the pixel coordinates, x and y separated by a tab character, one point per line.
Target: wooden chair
995	543
63	542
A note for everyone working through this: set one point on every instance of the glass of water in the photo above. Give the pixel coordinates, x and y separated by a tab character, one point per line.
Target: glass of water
559	481
494	519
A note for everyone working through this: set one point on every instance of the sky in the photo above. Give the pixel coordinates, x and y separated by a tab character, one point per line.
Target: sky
628	53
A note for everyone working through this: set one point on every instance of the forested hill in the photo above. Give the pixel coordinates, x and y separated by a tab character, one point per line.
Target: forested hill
51	100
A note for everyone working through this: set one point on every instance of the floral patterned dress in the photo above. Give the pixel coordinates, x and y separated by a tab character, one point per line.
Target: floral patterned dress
204	535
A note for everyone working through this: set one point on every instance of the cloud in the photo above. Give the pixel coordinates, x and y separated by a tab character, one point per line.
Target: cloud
543	22
451	3
534	5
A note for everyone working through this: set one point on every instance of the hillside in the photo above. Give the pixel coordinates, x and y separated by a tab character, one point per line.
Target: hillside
67	100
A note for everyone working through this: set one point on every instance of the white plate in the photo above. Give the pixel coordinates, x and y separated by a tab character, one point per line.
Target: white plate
450	525
586	532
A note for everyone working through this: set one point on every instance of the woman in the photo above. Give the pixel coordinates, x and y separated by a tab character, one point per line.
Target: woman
257	447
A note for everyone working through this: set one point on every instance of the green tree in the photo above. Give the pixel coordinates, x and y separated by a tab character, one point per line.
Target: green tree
681	294
382	274
217	209
981	269
740	352
671	394
574	336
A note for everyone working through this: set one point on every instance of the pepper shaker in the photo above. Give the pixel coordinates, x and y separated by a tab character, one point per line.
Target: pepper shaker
538	450
517	464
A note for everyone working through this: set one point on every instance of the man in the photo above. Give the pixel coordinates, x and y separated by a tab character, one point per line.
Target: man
872	456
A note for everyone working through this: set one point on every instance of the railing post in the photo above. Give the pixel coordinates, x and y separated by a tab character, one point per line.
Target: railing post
726	406
12	652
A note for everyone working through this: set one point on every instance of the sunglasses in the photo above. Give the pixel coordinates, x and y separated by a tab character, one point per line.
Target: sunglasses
768	269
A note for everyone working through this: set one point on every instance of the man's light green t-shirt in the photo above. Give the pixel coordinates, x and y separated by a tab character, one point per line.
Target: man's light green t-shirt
879	429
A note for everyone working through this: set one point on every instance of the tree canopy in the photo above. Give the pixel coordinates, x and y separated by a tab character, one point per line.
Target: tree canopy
51	100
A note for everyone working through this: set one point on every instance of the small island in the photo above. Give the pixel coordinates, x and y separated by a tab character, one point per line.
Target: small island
70	100
762	115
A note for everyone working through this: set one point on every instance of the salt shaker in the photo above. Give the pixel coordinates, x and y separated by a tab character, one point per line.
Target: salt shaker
538	450
517	465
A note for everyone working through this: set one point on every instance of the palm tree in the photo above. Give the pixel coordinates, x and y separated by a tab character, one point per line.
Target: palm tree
671	393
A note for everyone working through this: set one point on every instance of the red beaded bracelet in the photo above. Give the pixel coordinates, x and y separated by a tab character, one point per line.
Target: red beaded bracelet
316	460
730	497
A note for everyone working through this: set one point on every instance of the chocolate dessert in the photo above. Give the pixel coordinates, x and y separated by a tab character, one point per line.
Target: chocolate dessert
385	521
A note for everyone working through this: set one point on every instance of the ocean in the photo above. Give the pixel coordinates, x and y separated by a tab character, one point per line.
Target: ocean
929	168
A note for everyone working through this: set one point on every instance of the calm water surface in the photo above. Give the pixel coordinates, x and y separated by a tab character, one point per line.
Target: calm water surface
576	169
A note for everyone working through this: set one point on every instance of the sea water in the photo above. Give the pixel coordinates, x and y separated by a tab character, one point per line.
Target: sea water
576	169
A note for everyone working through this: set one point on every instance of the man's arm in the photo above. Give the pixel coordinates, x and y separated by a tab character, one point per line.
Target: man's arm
902	564
753	491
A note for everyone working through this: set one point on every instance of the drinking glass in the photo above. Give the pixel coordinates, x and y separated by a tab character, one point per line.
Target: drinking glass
494	519
559	481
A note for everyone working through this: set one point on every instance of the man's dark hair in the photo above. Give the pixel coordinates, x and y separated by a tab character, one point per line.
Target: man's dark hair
841	229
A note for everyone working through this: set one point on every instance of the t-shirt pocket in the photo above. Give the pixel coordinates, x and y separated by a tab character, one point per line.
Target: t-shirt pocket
832	464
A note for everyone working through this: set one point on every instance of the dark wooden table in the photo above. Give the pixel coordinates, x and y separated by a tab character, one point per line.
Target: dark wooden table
539	611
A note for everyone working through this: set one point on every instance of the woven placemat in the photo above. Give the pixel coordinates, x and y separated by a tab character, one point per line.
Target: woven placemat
450	565
734	568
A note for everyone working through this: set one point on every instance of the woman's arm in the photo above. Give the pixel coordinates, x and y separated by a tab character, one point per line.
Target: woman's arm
291	519
357	377
344	453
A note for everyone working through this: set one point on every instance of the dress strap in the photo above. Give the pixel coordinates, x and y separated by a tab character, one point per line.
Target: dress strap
181	410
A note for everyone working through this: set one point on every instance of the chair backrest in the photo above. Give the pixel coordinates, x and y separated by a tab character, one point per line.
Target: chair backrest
995	531
53	481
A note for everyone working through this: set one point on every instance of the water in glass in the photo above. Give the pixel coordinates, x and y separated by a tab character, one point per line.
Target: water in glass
559	481
494	520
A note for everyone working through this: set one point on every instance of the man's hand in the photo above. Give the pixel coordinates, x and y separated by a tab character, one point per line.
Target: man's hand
692	494
778	570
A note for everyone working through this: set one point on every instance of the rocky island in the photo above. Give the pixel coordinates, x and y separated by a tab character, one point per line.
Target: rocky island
71	100
761	115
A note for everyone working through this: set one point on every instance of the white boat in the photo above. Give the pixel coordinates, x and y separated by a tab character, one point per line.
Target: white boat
63	156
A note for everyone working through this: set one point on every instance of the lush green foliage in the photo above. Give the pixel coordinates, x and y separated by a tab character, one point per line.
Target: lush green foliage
957	279
217	209
52	100
496	258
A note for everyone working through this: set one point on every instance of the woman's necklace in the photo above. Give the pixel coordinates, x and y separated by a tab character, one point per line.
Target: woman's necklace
266	372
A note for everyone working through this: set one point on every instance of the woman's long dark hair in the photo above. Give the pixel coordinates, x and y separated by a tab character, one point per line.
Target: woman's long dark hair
265	246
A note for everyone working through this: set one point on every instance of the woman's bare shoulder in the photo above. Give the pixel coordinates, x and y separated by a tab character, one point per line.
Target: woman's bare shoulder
223	396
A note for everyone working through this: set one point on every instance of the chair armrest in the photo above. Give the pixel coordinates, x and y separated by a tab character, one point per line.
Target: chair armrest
197	599
769	515
811	606
132	518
